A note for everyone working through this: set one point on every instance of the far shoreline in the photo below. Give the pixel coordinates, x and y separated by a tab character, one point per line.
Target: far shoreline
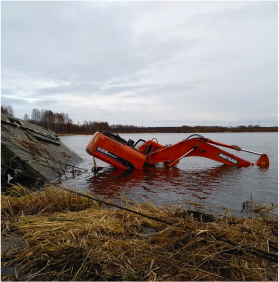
92	133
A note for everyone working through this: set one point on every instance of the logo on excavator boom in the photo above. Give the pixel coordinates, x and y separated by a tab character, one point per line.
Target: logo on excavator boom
227	158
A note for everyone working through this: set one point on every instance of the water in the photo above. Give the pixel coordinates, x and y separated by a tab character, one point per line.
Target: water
195	179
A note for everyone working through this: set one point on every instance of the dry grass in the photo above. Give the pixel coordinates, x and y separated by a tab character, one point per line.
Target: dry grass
96	243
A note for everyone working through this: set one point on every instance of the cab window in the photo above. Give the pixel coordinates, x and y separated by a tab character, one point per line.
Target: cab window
139	143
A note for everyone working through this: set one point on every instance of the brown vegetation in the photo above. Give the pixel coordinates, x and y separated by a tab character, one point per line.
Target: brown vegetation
68	237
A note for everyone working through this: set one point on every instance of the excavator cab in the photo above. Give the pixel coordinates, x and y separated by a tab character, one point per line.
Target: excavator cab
148	147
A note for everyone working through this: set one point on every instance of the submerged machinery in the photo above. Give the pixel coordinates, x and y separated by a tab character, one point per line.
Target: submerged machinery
122	154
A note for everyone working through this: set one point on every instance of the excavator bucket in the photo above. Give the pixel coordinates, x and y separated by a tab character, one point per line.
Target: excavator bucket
263	161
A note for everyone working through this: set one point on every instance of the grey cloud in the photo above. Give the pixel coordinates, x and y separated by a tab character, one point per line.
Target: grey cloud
156	48
70	89
7	91
68	41
169	88
171	50
26	101
12	91
176	87
123	88
149	89
228	14
13	101
42	103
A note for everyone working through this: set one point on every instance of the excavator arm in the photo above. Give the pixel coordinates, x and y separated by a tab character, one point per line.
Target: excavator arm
202	147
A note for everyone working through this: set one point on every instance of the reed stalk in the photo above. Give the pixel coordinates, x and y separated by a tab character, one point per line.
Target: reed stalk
68	237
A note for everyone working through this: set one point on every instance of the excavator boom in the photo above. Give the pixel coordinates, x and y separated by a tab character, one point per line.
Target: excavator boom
194	148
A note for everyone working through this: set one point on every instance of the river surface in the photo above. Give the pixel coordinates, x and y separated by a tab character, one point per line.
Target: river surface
196	179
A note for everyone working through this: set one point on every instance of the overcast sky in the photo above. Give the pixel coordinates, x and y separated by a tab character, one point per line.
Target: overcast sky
142	63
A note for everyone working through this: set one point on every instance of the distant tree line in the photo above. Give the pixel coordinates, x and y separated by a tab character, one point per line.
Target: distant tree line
61	123
190	129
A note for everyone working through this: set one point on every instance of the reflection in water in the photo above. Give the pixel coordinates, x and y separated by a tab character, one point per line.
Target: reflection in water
144	183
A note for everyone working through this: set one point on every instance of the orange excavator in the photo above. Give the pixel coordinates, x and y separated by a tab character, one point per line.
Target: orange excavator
122	154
